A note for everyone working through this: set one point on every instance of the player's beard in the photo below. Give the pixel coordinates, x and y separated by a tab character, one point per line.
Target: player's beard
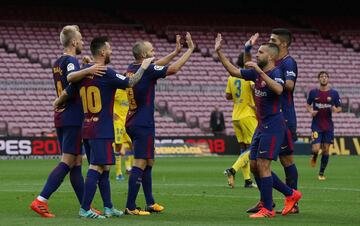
77	51
323	84
262	63
107	60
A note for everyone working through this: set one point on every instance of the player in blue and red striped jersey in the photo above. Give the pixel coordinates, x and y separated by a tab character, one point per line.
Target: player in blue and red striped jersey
282	38
140	123
68	121
271	130
321	103
97	96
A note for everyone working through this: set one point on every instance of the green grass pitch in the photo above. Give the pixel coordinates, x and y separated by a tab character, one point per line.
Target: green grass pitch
194	192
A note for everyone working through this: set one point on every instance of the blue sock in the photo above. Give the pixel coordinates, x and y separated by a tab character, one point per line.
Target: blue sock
291	176
324	162
280	186
147	186
77	182
135	181
91	181
266	191
104	187
258	183
55	179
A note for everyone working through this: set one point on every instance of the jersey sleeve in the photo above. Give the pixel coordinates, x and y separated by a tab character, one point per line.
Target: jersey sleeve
290	70
310	98
337	100
228	88
157	71
72	65
249	74
116	80
278	77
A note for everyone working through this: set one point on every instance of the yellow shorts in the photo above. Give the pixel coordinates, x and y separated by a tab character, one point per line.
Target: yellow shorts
244	129
121	137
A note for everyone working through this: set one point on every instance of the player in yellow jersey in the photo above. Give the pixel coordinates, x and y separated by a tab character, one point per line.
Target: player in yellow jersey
122	140
244	123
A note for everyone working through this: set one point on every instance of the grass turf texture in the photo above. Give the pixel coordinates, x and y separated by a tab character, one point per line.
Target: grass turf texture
193	190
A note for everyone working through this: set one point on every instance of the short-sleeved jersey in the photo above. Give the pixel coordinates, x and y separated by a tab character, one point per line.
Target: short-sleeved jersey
97	96
288	66
71	114
121	107
323	101
242	96
141	96
267	102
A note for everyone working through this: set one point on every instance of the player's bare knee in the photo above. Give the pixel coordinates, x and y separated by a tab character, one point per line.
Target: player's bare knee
140	163
97	168
286	160
253	168
150	162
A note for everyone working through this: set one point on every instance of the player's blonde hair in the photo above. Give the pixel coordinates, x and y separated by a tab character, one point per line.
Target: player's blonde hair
67	33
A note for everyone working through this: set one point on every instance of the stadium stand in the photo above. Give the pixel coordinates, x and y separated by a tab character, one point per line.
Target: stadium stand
184	101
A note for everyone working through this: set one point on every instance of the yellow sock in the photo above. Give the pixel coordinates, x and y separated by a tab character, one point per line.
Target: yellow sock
118	165
129	162
246	171
241	161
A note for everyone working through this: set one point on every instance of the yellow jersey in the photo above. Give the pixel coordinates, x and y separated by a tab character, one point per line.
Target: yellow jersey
121	107
243	98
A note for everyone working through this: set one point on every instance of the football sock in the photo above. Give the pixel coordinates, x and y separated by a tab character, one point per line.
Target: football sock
91	181
105	191
280	186
266	191
77	182
291	176
135	181
55	179
324	162
118	164
147	185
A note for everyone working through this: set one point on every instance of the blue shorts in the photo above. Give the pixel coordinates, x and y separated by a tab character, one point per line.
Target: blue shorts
101	152
326	137
267	140
86	149
143	141
287	147
69	138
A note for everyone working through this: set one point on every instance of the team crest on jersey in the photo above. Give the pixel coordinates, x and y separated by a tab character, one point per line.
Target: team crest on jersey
315	135
70	67
120	76
328	99
158	68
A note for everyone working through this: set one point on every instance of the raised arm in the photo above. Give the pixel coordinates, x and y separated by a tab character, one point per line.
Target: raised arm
95	69
176	66
248	45
138	75
234	71
165	60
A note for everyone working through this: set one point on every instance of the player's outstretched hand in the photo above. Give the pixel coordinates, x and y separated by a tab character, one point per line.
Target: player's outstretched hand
189	41
252	40
145	64
218	42
178	44
254	66
98	70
